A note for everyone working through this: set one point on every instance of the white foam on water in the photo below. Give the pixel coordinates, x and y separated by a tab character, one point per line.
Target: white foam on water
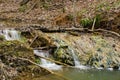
45	63
100	68
119	68
77	62
10	34
110	69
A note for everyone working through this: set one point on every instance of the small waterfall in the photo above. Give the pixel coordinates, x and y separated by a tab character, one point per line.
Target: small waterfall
10	34
77	62
46	63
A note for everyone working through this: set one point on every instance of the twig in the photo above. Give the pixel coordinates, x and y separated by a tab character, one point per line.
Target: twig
34	40
36	1
31	7
112	32
93	26
74	12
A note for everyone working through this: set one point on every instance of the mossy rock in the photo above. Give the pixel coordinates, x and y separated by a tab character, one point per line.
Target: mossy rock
64	56
103	54
2	38
15	55
15	49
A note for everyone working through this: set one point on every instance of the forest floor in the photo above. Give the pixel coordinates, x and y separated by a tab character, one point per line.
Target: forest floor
53	13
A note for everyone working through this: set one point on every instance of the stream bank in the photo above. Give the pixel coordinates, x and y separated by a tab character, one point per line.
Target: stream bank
77	49
92	49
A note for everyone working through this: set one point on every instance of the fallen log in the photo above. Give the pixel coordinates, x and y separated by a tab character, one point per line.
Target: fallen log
57	62
85	30
49	47
60	30
64	30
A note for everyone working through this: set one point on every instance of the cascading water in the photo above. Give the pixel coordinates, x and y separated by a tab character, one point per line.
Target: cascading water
10	34
46	63
77	62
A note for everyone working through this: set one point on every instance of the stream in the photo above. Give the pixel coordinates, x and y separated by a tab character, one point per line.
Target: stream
77	74
80	72
45	63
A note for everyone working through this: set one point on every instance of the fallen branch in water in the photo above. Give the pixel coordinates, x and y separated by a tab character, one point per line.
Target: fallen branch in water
44	68
49	47
57	62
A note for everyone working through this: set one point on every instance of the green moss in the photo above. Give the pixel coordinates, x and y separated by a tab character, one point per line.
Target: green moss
45	5
22	8
16	55
70	17
23	39
37	60
2	38
85	22
98	20
16	48
108	7
60	53
88	22
100	6
64	56
103	54
100	41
